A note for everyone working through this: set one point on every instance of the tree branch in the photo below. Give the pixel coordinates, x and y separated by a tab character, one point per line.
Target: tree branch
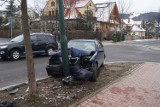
4	1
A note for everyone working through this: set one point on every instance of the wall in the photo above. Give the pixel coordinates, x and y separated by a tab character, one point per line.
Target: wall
82	35
7	34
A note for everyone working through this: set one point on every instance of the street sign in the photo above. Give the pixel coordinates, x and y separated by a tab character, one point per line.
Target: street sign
11	21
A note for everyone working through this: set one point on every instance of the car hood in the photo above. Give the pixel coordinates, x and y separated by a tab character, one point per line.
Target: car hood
7	43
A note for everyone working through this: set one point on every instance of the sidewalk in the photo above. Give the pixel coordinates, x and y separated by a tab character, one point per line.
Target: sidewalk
139	89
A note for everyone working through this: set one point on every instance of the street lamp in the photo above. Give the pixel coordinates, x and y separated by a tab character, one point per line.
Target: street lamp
63	40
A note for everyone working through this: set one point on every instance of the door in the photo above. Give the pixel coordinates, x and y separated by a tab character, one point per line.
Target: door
35	46
42	42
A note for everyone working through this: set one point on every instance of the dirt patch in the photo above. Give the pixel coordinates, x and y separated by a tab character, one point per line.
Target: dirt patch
52	93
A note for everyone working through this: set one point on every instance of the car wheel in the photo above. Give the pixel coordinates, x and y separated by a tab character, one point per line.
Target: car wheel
15	54
94	70
49	51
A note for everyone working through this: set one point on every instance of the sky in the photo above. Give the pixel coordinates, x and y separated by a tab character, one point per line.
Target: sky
136	6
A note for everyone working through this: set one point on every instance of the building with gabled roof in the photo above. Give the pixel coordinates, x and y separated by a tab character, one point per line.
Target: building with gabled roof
108	18
136	31
50	11
76	8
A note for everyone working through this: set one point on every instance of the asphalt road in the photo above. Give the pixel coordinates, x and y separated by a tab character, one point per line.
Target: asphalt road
131	53
12	72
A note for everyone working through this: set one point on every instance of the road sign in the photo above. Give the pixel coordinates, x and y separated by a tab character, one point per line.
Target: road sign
11	21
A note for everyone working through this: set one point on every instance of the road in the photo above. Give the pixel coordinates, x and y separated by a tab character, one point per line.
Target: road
131	53
12	72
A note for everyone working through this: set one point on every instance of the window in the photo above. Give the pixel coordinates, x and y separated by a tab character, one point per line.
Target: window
56	12
41	38
50	13
33	38
52	4
53	13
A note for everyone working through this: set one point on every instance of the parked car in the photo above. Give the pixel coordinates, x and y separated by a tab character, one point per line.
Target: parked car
42	43
84	53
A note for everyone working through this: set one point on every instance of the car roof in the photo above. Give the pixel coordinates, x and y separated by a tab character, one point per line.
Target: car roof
85	40
41	33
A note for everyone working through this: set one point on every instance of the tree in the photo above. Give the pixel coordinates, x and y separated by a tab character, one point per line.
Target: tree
39	6
124	7
28	50
1	20
11	8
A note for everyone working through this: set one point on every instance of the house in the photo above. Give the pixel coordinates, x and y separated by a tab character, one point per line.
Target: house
76	8
137	32
80	14
49	18
108	18
135	29
31	14
50	11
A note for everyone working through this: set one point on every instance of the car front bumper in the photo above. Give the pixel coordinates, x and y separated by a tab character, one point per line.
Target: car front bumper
3	52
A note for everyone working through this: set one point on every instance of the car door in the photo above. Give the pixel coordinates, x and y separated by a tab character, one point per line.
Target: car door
34	41
42	42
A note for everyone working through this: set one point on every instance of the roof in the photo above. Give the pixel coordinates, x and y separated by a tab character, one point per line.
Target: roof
132	22
75	3
84	40
104	10
137	29
81	3
72	11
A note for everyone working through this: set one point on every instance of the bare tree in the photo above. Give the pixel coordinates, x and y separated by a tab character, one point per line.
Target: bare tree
28	50
124	7
39	6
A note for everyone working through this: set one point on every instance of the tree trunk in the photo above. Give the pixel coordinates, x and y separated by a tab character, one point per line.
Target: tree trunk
28	50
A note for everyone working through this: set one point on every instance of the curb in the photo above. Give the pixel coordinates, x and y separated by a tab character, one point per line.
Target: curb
19	84
99	90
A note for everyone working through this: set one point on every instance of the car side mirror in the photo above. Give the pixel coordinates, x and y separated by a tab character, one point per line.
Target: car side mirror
100	50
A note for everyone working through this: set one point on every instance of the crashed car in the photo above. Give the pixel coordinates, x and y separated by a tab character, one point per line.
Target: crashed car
86	57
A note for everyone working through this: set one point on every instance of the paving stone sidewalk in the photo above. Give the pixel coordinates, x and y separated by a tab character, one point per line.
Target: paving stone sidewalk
139	89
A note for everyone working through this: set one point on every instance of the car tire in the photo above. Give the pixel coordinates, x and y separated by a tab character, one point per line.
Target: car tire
94	70
15	54
49	51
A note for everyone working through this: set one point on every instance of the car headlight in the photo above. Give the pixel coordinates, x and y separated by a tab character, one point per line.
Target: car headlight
3	47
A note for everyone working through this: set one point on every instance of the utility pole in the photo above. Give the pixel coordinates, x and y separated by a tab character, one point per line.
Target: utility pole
63	40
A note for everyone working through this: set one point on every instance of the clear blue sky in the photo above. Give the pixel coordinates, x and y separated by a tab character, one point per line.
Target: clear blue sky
136	5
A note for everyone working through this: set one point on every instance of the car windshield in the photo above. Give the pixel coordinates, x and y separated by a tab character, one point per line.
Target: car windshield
17	39
82	45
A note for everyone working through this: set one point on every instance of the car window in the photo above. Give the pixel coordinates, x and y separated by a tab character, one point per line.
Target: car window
50	38
17	39
82	45
33	38
41	38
